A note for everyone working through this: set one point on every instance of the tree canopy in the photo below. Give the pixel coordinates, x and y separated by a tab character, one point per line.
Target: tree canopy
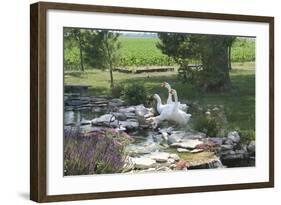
210	50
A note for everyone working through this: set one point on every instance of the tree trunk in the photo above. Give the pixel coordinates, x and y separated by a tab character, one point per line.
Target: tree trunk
111	77
81	51
81	57
229	58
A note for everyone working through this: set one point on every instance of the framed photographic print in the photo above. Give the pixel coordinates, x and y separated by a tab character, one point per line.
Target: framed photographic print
135	102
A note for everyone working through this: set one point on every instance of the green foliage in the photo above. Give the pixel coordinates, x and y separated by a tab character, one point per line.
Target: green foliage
142	52
74	45
243	50
117	90
211	121
103	51
247	135
209	126
135	94
211	49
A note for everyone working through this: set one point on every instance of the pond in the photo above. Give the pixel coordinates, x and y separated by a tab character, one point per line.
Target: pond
147	141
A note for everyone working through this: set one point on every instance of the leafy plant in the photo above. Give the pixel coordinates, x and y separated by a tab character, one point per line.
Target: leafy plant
212	122
116	90
135	94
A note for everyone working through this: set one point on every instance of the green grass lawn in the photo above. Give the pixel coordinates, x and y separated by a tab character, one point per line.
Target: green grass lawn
239	103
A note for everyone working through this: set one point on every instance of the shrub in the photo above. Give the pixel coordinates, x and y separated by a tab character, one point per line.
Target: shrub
247	135
98	152
209	126
212	123
135	94
116	90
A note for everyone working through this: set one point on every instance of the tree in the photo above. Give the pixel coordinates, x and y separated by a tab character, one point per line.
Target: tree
229	43
102	50
211	50
77	35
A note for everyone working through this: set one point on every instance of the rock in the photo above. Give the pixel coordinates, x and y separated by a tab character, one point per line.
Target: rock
233	136
129	115
175	137
140	110
196	150
226	147
85	122
171	161
157	138
228	142
77	102
165	136
160	156
116	102
104	120
251	147
163	169
181	165
208	163
127	109
96	109
187	144
216	140
130	125
233	157
119	116
181	150
179	136
175	157
141	149
168	130
143	162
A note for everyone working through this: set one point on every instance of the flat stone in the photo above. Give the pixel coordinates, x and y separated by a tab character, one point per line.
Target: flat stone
187	144
144	163
116	102
76	102
175	156
181	150
130	125
160	156
104	119
196	150
226	147
120	115
141	149
163	169
128	109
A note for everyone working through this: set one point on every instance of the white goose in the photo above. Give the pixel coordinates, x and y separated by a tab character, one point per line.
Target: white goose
183	107
160	107
172	113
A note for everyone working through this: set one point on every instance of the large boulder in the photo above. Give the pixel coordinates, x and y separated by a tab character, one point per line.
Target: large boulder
233	136
251	147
